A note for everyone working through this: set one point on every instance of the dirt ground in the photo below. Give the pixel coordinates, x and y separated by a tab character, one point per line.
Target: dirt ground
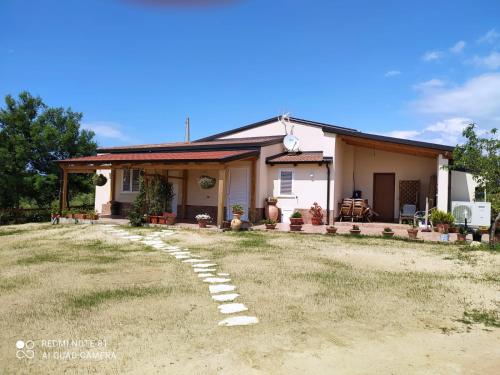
326	305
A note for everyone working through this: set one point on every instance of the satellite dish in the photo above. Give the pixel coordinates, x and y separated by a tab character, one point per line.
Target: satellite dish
291	143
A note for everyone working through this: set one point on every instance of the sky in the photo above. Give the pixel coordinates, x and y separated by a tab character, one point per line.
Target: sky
137	68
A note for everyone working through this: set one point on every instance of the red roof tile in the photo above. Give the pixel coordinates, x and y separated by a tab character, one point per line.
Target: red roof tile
165	156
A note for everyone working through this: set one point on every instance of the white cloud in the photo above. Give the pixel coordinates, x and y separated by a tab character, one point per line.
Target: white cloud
492	61
106	129
479	97
432	55
392	73
458	47
405	134
489	37
430	84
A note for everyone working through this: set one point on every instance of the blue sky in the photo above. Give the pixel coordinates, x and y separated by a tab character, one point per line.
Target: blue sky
137	69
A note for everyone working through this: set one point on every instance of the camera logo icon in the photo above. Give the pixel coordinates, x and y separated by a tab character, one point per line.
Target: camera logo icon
25	349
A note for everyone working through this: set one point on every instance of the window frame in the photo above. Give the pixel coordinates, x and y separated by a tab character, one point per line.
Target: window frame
130	191
291	182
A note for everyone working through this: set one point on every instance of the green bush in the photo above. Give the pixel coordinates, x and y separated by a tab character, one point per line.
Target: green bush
296	215
441	217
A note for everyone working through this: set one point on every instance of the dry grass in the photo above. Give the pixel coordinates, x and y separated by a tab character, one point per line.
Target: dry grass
323	302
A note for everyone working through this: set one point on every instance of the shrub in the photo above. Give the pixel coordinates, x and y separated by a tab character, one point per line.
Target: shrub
316	211
355	227
441	217
237	208
296	215
269	221
388	229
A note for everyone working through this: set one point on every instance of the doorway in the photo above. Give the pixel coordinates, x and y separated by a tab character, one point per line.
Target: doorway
383	195
237	190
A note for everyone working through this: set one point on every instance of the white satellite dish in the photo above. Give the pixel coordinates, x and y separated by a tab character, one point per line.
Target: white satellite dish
291	143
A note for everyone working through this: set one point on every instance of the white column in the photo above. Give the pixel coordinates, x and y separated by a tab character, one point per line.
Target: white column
442	183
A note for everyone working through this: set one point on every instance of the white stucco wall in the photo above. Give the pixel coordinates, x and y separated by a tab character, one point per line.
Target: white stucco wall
442	183
463	186
102	193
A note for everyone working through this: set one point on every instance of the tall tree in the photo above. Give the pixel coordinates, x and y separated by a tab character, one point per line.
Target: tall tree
480	155
32	137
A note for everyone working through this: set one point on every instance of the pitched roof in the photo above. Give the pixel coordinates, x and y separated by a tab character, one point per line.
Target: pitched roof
233	143
306	157
172	157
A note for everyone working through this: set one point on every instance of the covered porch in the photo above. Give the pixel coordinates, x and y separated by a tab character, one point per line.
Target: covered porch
182	169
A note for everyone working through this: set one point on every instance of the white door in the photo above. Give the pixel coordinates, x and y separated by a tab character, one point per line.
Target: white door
237	190
175	199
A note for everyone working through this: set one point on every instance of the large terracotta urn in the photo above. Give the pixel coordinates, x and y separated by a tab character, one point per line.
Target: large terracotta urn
236	222
272	211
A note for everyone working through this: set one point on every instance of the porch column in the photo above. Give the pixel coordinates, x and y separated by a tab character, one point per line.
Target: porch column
112	181
253	188
184	193
64	195
221	197
442	183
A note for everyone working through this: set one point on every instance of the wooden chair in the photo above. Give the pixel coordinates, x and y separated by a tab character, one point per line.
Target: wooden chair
359	209
346	209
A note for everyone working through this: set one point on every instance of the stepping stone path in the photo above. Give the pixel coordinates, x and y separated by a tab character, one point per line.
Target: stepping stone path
202	268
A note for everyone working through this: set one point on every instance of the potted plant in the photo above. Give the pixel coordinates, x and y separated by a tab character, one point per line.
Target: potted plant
203	220
452	228
413	232
442	220
99	180
206	182
355	230
153	219
161	219
388	232
237	212
296	222
169	218
316	214
331	229
270	224
272	211
462	234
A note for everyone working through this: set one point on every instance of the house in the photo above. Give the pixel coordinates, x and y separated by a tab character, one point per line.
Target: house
297	161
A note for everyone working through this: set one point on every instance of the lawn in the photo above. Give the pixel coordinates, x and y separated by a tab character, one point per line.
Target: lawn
325	304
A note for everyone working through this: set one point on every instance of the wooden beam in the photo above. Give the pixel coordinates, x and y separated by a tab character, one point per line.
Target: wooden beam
112	184
253	189
221	197
185	174
84	168
64	203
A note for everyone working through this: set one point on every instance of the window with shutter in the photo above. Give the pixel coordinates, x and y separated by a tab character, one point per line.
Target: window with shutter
126	180
130	181
135	179
286	180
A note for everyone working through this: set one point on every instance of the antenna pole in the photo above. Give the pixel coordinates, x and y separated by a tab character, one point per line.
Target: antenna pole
187	130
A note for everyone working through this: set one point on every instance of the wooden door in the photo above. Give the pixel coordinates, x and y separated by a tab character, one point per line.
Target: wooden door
383	195
237	191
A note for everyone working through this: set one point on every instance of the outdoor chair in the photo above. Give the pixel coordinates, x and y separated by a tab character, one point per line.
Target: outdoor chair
346	209
407	212
359	210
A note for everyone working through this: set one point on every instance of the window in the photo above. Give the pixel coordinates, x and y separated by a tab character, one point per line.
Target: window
130	181
286	179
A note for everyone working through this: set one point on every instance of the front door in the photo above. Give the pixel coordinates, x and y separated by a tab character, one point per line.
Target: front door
175	199
237	190
383	195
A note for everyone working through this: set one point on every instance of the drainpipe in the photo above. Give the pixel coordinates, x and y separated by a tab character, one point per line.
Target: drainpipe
327	193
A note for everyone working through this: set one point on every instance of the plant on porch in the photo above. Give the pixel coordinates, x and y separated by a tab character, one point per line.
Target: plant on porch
269	223
355	230
159	195
388	232
99	180
138	210
203	220
237	212
441	220
316	214
296	222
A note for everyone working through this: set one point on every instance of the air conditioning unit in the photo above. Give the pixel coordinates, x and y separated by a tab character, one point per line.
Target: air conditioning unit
477	213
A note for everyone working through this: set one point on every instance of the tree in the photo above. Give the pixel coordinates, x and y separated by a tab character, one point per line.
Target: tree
32	137
480	156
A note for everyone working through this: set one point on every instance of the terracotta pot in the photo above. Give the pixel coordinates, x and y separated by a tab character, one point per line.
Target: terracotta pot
153	219
69	216
170	219
452	230
461	237
413	233
202	223
355	231
270	226
295	227
316	221
442	228
161	220
331	230
236	222
272	211
79	216
388	234
296	221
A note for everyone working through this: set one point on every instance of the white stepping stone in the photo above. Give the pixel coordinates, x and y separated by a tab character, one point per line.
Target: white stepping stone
215	280
204	269
204	265
221	288
195	260
169	234
182	257
231	308
205	275
180	253
222	274
225	297
238	321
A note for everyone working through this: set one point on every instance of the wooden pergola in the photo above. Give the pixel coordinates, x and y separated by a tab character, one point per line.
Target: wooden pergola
92	164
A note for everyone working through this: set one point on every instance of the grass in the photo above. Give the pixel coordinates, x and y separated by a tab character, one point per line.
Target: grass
323	301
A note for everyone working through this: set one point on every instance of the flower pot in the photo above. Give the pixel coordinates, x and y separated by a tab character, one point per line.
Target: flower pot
272	211
413	233
452	230
202	223
295	227
316	221
387	234
355	232
270	226
461	237
236	222
296	221
153	219
161	220
170	219
78	216
331	230
443	228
